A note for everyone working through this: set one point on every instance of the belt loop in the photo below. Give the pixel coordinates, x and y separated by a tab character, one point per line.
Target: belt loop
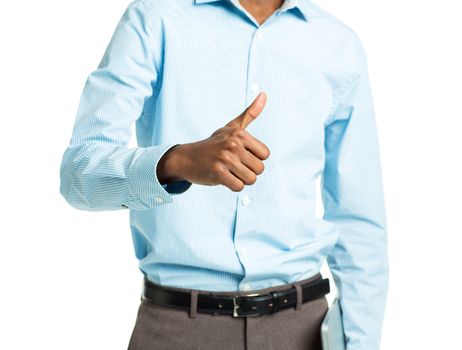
193	307
298	288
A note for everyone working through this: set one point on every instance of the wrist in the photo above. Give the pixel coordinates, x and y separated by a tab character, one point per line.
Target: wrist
172	164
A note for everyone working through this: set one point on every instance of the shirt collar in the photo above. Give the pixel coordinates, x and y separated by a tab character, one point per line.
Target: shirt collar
301	5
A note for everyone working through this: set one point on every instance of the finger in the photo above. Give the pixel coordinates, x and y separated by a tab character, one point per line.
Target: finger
252	162
232	182
243	173
250	113
255	146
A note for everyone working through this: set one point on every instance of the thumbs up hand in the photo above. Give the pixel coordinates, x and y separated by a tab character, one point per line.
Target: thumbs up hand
250	113
230	156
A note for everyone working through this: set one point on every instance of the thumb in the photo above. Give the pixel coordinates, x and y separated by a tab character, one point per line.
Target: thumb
250	113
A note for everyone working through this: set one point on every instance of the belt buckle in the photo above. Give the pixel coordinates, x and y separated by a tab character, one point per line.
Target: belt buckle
236	304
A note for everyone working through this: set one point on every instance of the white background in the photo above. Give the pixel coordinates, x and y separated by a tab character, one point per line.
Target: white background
56	262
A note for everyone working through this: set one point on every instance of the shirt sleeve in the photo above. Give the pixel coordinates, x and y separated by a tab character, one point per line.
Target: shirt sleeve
353	200
98	171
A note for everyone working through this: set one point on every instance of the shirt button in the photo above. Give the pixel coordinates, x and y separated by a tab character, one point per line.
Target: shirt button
255	87
258	34
246	286
245	200
159	199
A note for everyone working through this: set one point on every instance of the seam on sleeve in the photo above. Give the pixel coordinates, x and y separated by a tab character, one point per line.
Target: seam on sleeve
337	96
360	67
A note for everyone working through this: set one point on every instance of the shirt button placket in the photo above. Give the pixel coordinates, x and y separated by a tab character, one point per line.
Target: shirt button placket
242	252
255	65
254	70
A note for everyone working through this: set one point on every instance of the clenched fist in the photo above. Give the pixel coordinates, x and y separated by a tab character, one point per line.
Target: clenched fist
230	156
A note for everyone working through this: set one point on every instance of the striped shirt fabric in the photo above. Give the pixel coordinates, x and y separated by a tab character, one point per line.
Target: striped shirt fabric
181	69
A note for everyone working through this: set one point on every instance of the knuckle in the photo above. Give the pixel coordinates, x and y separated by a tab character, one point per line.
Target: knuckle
248	113
231	144
224	157
217	168
239	133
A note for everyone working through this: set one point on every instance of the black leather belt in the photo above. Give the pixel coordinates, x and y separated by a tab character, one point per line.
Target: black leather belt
237	306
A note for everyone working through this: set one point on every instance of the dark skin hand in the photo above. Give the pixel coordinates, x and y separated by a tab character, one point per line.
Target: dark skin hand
231	156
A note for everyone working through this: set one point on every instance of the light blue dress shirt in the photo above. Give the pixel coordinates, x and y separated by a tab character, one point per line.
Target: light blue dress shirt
180	70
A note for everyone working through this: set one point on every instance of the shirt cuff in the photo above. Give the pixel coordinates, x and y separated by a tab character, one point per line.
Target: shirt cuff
145	188
177	187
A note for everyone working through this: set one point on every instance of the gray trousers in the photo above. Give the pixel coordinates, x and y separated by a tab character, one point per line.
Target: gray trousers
295	328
